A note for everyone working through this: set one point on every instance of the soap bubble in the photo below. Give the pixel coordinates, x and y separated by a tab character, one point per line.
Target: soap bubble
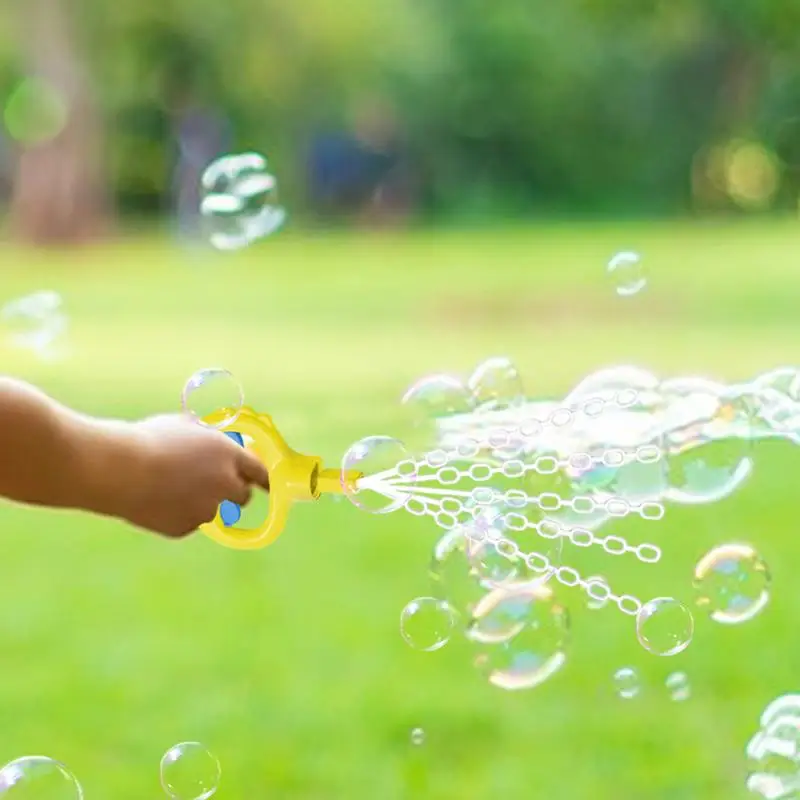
213	393
523	633
38	778
678	686
417	736
774	752
627	272
240	201
664	626
452	570
626	683
732	583
787	705
426	623
36	322
189	771
386	471
496	384
492	566
432	399
708	439
438	396
35	112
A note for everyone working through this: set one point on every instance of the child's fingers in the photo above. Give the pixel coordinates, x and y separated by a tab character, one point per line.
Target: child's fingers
252	470
239	493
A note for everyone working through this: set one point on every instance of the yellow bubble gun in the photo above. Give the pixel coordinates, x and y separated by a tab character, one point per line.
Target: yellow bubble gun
293	478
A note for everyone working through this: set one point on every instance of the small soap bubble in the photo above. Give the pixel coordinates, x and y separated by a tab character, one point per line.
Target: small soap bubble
426	623
417	736
626	683
377	473
240	203
523	632
213	397
732	584
36	322
496	384
678	687
38	778
627	272
664	626
189	771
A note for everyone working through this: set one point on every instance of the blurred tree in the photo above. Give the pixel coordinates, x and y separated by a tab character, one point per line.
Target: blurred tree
519	107
59	192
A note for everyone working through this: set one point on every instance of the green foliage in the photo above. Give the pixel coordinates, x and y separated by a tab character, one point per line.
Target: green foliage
516	106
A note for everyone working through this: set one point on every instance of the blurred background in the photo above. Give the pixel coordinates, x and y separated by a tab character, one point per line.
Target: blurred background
457	176
396	111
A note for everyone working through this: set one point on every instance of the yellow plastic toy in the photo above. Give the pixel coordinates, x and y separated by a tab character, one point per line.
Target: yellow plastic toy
293	477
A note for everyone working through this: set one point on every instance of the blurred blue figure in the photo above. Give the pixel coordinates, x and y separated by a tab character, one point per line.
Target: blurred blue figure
363	172
201	135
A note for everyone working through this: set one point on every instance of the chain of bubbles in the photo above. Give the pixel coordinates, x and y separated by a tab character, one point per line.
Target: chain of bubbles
768	406
447	508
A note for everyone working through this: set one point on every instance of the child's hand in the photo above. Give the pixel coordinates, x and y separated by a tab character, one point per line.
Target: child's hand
187	471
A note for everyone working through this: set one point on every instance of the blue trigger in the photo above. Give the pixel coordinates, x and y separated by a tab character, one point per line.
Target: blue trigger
231	512
236	436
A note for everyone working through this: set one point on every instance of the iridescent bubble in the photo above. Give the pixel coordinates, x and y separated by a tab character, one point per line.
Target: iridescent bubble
240	201
678	687
35	112
626	683
707	439
417	736
492	562
431	400
453	573
627	273
492	566
783	706
387	474
38	778
426	623
496	384
523	633
36	322
612	446
664	626
732	583
774	754
189	771
213	397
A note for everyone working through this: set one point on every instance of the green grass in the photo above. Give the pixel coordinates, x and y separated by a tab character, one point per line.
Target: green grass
288	663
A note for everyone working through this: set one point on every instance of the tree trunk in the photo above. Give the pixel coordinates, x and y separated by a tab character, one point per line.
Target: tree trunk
59	193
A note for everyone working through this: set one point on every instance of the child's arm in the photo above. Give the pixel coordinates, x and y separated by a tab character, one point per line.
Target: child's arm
166	474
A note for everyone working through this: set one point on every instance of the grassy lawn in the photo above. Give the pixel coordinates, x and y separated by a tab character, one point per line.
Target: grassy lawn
287	662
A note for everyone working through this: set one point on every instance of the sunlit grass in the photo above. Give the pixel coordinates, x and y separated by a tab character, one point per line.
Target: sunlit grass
288	663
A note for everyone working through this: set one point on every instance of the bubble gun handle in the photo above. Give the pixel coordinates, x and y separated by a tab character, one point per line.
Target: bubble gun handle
293	477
